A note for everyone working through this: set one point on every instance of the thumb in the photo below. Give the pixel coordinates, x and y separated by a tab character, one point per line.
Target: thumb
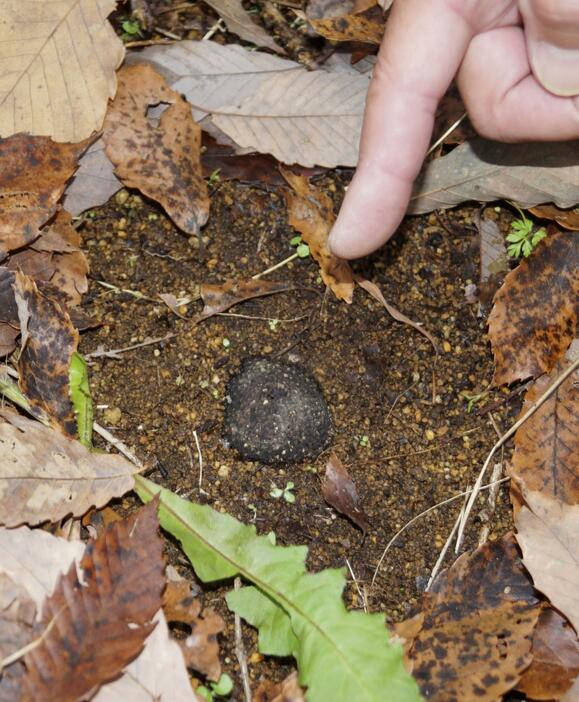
552	34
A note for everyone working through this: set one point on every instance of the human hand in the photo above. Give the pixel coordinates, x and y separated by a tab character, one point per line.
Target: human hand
517	66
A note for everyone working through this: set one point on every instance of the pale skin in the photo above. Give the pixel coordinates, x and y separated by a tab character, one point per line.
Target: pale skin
517	68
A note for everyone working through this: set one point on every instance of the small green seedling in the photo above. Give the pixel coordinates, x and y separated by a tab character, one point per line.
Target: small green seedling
286	493
302	249
364	441
522	238
131	29
273	324
221	688
214	178
473	400
226	343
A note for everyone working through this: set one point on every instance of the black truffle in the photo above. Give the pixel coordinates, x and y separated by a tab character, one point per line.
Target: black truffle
275	413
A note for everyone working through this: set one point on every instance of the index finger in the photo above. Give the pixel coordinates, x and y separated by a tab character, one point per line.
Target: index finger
423	46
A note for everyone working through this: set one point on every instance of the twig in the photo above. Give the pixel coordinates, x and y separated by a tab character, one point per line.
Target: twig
492	502
168	34
263	319
175	8
118	444
362	595
505	437
416	518
147	42
114	353
240	650
446	134
287	260
217	27
199	458
134	293
442	554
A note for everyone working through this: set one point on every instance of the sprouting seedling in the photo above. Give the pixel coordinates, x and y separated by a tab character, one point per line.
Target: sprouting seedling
221	688
522	237
273	324
302	249
474	399
364	441
214	178
286	492
131	29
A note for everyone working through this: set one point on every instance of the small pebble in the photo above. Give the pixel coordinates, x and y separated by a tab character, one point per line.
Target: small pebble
223	471
112	415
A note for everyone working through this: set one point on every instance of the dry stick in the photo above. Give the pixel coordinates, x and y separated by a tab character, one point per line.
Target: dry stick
240	650
446	134
361	595
200	459
118	444
112	353
505	437
416	518
217	27
274	268
442	554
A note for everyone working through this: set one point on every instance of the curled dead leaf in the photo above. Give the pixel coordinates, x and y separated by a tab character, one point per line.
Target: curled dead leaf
162	161
340	492
219	298
311	212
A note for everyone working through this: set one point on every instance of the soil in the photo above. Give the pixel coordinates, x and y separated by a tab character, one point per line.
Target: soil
400	415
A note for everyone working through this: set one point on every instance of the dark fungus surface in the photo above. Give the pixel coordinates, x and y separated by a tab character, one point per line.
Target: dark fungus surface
275	413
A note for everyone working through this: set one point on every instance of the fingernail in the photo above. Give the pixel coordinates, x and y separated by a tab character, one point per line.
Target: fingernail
556	68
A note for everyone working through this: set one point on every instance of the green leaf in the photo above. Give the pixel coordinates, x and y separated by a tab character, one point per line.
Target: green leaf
538	236
341	655
131	27
303	250
296	240
223	686
81	398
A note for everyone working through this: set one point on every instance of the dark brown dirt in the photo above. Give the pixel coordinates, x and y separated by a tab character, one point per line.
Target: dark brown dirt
400	413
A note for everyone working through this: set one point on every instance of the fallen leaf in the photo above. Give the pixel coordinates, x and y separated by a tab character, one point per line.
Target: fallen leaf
158	674
45	476
320	9
17	614
35	559
33	174
48	342
479	617
546	457
360	28
340	492
103	622
94	181
547	534
239	22
494	260
9	322
568	219
311	213
572	694
219	298
287	690
161	161
61	84
268	104
481	170
555	663
179	603
172	303
451	110
373	290
534	316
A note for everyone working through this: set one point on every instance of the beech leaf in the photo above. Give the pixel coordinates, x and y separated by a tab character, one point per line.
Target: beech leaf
239	22
340	492
162	161
529	174
45	476
103	622
534	317
341	655
219	298
356	28
60	85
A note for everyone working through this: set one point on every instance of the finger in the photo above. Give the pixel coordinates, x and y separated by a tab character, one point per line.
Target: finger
413	71
502	96
552	32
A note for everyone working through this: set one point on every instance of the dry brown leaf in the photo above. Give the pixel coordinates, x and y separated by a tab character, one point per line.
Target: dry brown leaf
9	322
61	84
200	649
33	174
45	476
172	303
547	534
568	219
239	22
287	690
320	9
481	170
94	181
373	290
311	213
219	298
572	694
162	161
48	341
494	260
340	492
350	28
479	617
546	457
555	663
35	559
534	317
103	622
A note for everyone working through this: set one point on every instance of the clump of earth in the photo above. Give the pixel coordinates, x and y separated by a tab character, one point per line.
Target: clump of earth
275	412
